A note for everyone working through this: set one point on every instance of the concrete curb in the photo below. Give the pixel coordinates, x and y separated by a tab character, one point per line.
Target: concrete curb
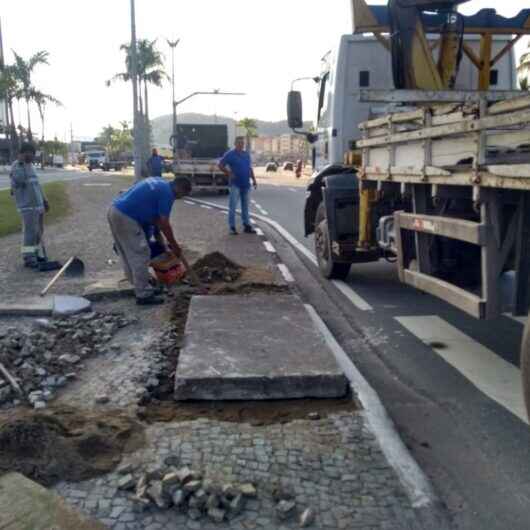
415	482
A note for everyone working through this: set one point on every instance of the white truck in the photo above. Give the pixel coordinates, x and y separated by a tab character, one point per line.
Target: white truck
99	159
437	181
198	149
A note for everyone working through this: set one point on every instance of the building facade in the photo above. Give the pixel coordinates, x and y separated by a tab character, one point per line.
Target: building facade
523	70
285	147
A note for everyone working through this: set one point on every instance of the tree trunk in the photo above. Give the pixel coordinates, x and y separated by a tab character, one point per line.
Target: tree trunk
30	135
147	125
13	136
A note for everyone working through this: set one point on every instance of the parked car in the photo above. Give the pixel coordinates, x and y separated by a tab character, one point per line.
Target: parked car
271	166
288	166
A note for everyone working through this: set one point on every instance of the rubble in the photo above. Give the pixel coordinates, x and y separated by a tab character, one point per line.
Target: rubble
44	357
307	518
285	510
216	267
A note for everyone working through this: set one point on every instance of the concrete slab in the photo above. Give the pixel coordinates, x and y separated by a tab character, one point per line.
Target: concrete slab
25	505
253	348
111	286
46	306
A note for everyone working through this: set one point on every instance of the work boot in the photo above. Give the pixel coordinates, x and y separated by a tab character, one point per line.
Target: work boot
150	300
249	230
233	232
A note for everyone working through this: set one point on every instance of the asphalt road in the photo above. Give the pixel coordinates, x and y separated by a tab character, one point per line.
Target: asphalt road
450	383
52	175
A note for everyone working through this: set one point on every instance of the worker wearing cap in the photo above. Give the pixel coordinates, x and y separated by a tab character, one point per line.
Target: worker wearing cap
31	205
147	203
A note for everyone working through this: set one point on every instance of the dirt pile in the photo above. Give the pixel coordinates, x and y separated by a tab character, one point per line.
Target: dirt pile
66	443
44	358
216	267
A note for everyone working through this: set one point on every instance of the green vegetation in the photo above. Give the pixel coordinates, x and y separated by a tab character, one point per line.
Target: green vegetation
251	129
59	208
116	141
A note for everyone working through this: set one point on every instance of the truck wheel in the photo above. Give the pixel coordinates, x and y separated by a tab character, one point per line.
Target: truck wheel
525	366
329	268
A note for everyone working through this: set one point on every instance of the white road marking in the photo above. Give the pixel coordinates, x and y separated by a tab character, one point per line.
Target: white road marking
358	301
286	273
206	207
253	201
259	231
490	373
293	189
269	247
343	287
412	477
190	203
97	184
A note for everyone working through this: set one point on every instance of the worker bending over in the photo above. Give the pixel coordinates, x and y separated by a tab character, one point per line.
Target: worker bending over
147	203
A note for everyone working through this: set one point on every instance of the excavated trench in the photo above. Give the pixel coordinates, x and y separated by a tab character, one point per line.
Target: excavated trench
222	276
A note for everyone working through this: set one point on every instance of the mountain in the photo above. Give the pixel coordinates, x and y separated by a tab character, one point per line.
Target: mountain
162	126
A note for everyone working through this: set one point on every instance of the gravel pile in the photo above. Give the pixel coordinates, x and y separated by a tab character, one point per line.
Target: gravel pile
44	358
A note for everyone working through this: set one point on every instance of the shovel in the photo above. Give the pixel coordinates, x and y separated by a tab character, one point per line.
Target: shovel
73	267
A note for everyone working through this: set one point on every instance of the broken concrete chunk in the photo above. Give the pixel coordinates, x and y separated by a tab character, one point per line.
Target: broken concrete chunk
101	399
285	510
170	479
230	491
179	498
68	358
248	490
156	493
216	515
199	499
126	482
236	505
125	469
307	518
140	504
192	486
212	502
37	405
185	475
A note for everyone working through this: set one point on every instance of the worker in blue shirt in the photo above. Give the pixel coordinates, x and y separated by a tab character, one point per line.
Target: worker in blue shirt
237	166
155	164
147	203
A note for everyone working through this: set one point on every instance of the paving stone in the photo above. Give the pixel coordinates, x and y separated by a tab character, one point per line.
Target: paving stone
285	510
126	482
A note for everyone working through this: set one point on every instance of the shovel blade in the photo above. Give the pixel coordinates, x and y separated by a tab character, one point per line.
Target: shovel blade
76	268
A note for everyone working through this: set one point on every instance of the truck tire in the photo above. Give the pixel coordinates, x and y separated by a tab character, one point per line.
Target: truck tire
330	269
525	366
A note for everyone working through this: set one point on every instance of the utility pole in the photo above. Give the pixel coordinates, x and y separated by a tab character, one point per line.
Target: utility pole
137	126
173	45
7	125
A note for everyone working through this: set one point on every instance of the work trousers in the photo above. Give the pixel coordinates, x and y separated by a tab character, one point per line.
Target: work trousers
133	250
238	194
33	231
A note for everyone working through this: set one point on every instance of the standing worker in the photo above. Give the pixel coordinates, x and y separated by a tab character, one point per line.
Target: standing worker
155	164
237	166
147	203
31	205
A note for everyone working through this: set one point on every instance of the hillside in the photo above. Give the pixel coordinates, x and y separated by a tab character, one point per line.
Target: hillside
162	126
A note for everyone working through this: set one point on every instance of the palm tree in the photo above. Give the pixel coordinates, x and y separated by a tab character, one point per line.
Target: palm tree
150	72
251	129
42	100
8	92
24	71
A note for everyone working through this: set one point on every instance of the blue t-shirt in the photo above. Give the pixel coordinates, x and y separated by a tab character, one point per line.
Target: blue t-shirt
155	164
240	165
147	201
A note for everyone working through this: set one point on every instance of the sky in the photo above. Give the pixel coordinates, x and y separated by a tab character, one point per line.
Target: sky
251	46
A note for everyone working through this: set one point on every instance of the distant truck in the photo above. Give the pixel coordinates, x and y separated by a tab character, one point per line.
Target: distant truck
101	160
198	149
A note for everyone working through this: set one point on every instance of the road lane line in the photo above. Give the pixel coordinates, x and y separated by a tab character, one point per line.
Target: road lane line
343	287
352	296
190	203
414	481
206	207
292	189
269	247
286	273
259	232
490	373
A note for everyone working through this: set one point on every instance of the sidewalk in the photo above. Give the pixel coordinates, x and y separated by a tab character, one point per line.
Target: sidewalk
303	454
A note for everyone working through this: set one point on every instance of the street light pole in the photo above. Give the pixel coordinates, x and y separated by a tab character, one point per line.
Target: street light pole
138	162
173	45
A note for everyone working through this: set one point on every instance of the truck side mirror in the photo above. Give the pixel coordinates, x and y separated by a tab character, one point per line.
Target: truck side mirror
294	110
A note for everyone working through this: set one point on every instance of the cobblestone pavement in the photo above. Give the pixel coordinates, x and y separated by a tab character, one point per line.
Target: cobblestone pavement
332	465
